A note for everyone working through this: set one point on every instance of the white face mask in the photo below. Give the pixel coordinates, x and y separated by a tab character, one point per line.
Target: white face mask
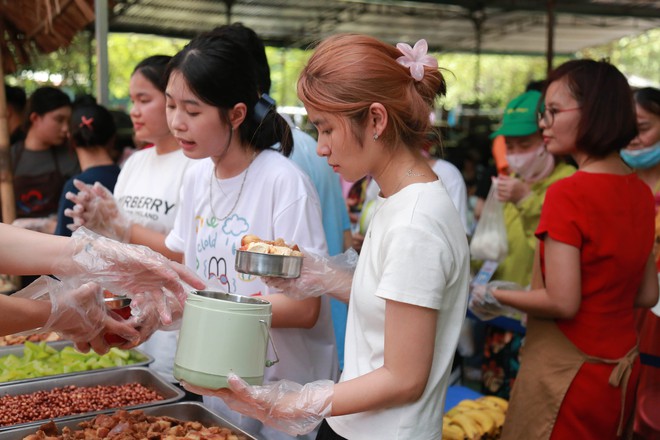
533	165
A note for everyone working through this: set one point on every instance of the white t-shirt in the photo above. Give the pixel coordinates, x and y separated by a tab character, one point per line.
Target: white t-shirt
148	187
455	183
415	251
147	190
453	180
277	201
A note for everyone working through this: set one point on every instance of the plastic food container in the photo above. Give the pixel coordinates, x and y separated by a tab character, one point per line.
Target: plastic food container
254	263
18	351
124	376
223	333
186	411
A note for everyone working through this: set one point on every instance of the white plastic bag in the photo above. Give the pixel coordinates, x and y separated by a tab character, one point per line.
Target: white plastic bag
489	240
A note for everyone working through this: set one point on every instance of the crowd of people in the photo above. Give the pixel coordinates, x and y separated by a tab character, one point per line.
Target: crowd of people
579	189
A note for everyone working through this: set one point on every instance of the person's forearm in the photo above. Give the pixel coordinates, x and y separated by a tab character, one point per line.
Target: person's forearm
348	239
291	313
20	314
534	302
153	240
379	389
339	285
24	252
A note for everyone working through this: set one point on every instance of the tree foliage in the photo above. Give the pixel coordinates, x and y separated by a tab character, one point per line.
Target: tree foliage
73	67
499	78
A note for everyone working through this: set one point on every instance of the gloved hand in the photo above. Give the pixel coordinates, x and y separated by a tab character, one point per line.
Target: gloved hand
46	225
284	405
127	270
96	209
319	275
484	305
151	312
78	314
511	189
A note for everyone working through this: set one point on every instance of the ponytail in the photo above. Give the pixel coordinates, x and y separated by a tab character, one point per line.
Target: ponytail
264	127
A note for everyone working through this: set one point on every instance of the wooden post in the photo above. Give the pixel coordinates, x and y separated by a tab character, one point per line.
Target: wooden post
549	54
101	32
6	178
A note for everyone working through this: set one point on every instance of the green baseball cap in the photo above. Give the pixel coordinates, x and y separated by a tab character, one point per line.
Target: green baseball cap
520	116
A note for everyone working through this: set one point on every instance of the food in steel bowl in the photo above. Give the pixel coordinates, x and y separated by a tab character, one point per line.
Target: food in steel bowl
268	258
252	243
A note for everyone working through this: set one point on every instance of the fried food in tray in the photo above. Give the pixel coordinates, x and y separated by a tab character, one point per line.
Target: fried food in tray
136	424
112	390
20	339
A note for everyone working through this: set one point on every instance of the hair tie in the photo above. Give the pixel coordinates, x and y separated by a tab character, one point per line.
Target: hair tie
86	123
263	106
415	58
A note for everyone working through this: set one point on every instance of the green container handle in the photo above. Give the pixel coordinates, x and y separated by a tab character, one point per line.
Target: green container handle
270	363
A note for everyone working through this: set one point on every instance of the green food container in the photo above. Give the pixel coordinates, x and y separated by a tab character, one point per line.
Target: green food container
223	333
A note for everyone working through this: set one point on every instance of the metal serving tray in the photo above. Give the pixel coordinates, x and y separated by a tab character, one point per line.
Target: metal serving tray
187	411
270	265
122	376
17	350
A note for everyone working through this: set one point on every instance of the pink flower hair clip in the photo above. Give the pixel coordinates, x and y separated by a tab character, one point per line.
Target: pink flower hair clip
415	58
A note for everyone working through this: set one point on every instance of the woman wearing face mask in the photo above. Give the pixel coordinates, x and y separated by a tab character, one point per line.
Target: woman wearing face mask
533	169
593	269
643	155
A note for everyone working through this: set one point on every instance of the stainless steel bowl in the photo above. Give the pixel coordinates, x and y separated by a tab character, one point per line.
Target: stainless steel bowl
268	265
117	302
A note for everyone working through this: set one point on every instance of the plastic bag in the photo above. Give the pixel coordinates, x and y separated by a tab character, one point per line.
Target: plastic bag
489	241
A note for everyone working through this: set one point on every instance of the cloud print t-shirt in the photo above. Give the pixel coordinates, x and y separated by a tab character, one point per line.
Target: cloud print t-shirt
277	201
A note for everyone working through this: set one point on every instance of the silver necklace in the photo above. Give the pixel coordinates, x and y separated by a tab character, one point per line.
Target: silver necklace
409	173
240	191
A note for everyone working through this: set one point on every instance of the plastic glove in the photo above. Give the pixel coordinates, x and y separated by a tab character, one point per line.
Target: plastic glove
150	313
78	314
96	209
484	305
511	189
127	270
319	275
284	405
46	225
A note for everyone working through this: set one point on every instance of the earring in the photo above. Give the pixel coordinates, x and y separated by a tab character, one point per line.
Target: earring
375	136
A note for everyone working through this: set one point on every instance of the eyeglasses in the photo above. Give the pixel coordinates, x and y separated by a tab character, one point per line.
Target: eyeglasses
548	115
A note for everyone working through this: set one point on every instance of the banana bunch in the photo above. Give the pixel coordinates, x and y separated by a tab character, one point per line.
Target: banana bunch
479	419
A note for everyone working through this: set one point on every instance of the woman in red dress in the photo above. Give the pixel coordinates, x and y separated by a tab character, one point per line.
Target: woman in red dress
579	365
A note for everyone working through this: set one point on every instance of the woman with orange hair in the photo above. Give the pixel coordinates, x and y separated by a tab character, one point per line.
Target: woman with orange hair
370	103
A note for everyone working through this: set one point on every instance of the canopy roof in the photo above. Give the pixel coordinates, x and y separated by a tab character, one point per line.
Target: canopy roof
507	26
42	25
